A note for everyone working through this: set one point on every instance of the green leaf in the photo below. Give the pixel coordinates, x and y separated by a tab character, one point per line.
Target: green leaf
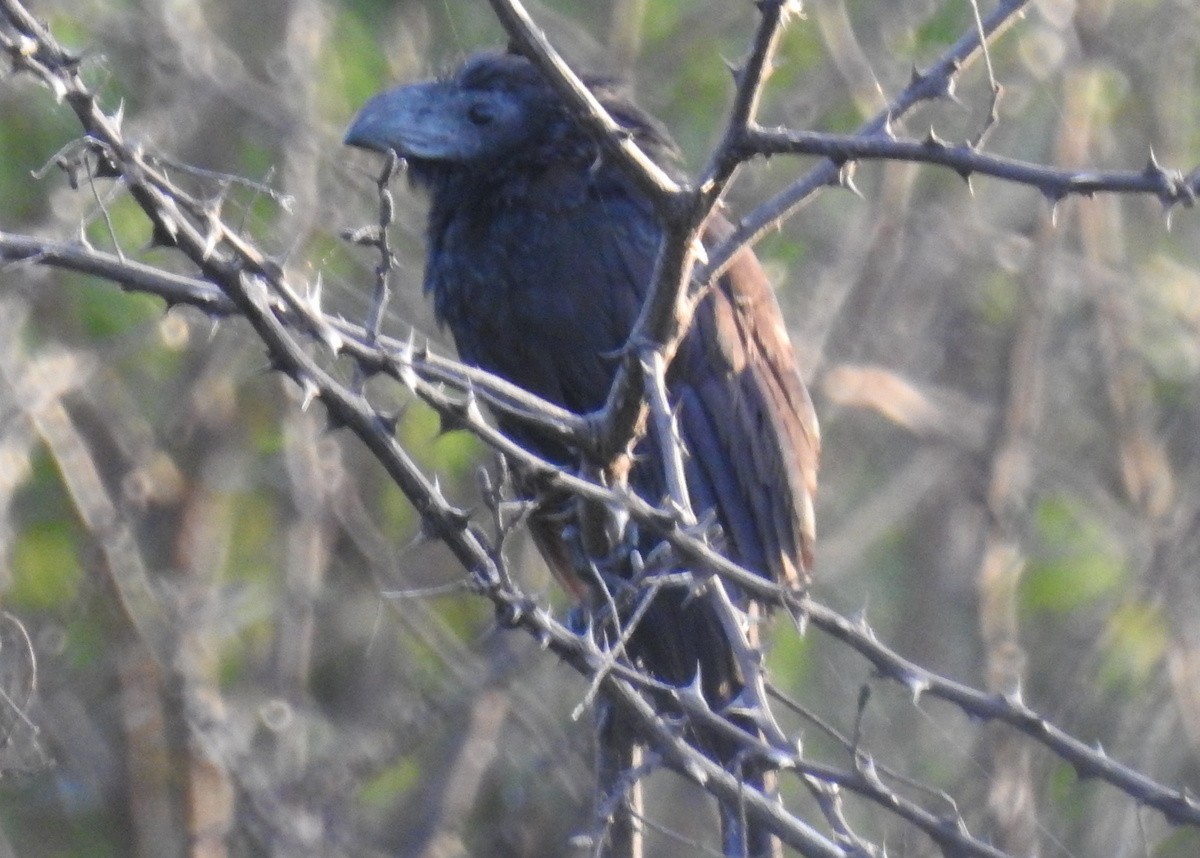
46	569
1080	563
450	454
390	784
1137	644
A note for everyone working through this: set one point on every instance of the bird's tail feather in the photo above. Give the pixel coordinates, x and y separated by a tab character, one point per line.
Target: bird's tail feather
677	637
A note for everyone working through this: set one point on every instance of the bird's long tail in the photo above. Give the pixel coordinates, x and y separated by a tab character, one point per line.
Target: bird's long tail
678	636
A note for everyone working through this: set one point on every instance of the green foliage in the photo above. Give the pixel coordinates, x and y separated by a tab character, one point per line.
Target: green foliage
1137	641
46	571
70	29
705	83
30	132
393	511
121	223
1063	786
354	64
254	538
940	29
800	54
389	784
661	21
842	118
86	639
790	655
34	815
447	453
1079	564
106	313
999	299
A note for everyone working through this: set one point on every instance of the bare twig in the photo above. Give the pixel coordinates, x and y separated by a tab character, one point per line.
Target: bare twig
933	84
663	190
383	271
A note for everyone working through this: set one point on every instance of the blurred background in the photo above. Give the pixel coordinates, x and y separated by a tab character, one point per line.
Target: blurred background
1010	487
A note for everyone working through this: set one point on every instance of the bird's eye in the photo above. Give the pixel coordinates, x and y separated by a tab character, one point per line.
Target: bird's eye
479	114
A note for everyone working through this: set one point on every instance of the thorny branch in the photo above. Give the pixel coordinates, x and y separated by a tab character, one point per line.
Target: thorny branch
239	280
400	360
685	209
258	289
936	83
1170	186
862	781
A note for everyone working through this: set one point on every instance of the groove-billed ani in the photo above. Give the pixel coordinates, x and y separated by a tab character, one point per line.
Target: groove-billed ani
540	253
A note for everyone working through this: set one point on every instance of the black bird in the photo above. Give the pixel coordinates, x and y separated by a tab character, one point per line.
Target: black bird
540	253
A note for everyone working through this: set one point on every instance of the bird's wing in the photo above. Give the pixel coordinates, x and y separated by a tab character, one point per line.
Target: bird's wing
748	423
745	416
559	305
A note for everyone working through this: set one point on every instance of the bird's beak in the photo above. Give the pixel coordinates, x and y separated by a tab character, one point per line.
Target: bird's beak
406	120
380	124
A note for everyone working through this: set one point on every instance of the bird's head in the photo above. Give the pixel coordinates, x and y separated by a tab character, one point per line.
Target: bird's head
494	111
488	109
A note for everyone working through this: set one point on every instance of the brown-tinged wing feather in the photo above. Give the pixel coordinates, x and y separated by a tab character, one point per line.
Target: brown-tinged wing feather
748	422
